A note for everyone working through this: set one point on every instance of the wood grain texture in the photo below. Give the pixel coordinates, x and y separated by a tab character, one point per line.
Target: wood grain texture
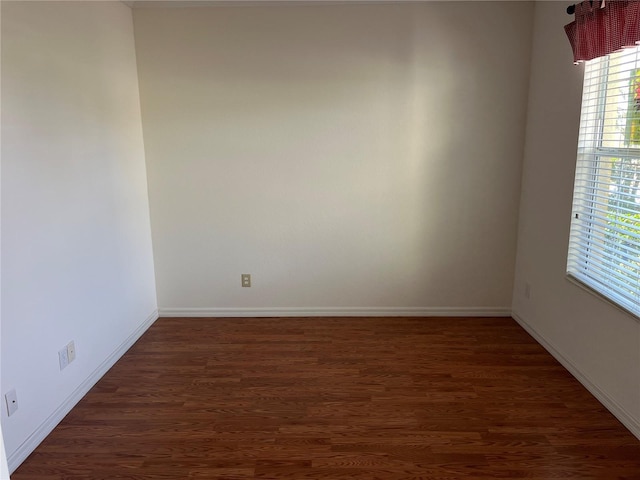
336	398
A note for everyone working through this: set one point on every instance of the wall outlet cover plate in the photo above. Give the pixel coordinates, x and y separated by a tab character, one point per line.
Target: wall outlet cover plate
11	397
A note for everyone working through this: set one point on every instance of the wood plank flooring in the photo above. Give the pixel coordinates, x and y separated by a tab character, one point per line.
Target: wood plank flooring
337	398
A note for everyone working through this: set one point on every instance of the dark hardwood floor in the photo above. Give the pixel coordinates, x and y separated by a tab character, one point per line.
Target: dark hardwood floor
337	398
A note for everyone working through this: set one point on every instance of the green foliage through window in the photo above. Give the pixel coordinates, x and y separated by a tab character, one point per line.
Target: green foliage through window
632	136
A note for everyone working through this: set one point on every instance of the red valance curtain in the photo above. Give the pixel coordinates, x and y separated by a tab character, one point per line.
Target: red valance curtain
602	28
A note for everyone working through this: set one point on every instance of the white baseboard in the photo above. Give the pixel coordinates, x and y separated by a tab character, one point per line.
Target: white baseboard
339	312
628	420
29	445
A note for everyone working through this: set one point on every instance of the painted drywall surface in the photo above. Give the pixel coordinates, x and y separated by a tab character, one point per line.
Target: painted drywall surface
602	342
4	467
344	155
76	247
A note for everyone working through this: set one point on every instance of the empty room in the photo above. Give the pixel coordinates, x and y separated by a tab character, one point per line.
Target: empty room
323	240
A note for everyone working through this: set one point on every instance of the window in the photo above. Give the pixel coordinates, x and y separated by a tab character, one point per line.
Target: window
604	247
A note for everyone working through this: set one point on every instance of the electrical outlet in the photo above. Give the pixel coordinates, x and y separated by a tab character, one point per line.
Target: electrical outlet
63	357
71	351
11	397
246	280
527	291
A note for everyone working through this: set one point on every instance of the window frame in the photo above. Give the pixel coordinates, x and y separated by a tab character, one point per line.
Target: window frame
588	191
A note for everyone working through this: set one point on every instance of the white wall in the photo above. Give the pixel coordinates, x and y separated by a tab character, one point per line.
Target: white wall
76	247
352	158
4	467
597	342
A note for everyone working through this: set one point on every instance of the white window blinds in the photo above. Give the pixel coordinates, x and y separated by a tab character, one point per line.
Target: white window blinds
604	247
